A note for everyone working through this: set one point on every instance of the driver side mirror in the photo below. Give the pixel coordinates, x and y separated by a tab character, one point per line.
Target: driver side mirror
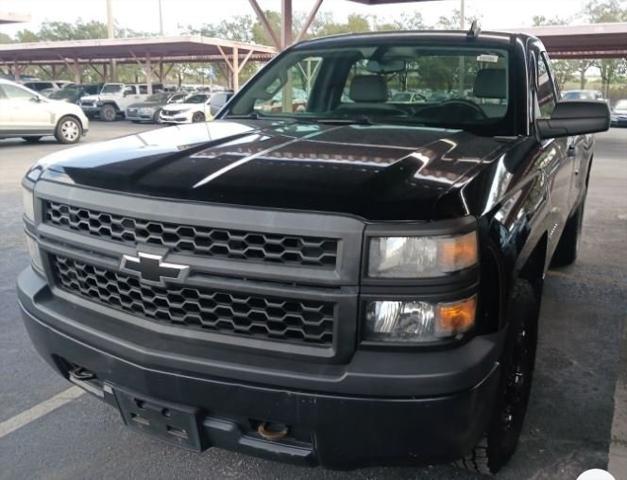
35	99
575	118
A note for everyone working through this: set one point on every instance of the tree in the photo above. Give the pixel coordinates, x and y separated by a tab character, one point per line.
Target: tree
454	22
602	11
564	70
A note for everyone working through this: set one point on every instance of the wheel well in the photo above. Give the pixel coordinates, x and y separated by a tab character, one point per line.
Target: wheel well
533	269
113	104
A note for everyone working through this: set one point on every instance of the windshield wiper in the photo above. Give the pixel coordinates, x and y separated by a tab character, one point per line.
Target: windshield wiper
359	120
245	116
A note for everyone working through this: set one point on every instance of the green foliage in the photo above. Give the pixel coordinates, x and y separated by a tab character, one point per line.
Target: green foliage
247	28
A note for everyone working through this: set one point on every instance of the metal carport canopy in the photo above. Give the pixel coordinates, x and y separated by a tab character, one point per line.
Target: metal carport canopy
599	40
10	17
144	51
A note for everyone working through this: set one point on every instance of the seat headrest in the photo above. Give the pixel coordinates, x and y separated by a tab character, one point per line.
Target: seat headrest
491	83
368	89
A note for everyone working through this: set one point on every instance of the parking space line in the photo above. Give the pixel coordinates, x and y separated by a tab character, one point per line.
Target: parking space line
39	410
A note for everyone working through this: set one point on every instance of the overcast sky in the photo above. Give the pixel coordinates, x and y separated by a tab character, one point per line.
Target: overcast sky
143	14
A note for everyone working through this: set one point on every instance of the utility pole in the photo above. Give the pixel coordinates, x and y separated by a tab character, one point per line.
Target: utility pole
462	60
160	18
286	41
111	34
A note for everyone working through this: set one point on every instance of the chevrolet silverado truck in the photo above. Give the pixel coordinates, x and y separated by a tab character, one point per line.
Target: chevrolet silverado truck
335	280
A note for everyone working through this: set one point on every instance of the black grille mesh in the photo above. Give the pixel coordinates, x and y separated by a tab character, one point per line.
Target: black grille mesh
300	321
205	241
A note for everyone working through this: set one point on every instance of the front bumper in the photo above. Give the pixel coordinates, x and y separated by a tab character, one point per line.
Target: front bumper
177	119
370	411
90	110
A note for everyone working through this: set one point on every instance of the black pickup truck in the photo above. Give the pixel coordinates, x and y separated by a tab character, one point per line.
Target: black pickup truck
344	269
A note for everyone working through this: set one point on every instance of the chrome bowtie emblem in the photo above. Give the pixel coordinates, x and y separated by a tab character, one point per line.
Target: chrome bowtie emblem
152	269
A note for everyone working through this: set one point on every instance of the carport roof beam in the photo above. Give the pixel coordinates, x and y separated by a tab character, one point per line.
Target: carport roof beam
180	48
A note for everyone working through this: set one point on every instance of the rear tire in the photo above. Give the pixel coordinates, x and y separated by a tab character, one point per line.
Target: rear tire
198	117
108	113
517	365
69	130
155	117
568	246
31	139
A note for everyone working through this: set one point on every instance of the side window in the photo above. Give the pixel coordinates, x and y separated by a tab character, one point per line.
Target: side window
143	89
11	91
546	93
291	94
129	91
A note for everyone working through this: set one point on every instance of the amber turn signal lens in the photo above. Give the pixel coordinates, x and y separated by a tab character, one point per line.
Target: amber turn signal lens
455	317
457	253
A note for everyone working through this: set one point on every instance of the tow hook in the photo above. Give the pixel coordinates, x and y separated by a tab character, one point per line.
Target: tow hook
79	373
80	376
272	431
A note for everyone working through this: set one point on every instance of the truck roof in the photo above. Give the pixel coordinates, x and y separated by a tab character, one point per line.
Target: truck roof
452	36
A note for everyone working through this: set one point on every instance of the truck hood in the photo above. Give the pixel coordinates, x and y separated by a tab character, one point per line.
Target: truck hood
372	171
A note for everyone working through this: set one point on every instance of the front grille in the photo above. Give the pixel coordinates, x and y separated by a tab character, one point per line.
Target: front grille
169	112
204	241
271	318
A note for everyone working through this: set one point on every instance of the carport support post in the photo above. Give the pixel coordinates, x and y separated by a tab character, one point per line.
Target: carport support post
148	73
16	71
77	71
235	69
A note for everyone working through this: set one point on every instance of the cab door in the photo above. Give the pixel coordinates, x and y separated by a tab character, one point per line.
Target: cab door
556	153
4	111
27	111
578	152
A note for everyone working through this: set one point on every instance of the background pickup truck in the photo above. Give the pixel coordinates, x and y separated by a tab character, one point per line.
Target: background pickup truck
113	100
325	274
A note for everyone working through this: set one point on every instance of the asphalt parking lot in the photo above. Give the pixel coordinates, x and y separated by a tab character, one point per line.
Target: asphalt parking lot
568	428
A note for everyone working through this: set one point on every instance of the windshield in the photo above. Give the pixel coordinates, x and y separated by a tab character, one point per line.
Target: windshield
111	89
196	99
67	92
460	87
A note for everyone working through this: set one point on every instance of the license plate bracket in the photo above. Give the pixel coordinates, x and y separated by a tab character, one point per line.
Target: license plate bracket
176	424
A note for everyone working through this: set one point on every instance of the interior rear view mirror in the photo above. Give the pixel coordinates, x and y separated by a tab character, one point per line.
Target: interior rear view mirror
575	118
386	66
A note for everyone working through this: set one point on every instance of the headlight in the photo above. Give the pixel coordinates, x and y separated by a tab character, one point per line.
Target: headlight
28	203
418	321
33	251
421	257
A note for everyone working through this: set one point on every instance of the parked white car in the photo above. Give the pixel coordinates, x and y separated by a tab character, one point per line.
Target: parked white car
114	99
195	108
28	114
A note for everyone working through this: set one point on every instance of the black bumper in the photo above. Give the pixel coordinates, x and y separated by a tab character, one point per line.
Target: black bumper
336	430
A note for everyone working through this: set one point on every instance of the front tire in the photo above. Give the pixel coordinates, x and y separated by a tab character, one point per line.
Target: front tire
198	117
517	366
69	130
108	113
